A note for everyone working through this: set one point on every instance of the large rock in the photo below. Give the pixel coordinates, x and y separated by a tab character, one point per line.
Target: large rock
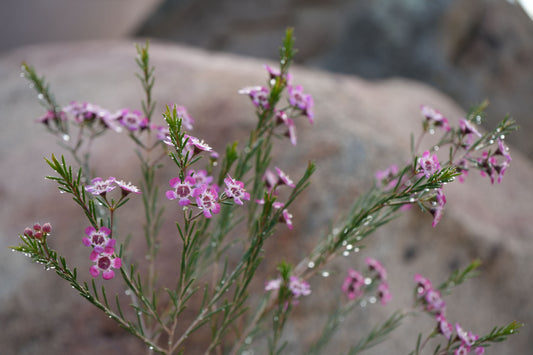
472	51
360	127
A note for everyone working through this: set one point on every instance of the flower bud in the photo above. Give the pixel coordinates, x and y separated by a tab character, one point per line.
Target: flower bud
28	232
47	228
38	235
37	227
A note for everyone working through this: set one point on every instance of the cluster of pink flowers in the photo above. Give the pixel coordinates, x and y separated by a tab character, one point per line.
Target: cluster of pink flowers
38	231
100	187
432	303
490	165
103	253
272	182
296	285
198	187
355	283
300	103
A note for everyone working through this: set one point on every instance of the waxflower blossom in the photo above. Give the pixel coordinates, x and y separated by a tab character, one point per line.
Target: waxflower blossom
258	94
438	207
384	294
376	266
424	285
104	262
387	178
127	187
131	119
352	285
52	116
428	164
186	120
434	302
98	239
286	216
182	190
284	179
235	189
434	117
444	327
201	177
100	186
207	200
273	284
282	118
299	287
301	101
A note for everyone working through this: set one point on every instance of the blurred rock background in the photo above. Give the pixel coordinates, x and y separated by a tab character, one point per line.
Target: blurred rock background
468	50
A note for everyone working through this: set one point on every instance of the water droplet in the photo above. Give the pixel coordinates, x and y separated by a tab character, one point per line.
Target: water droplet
356	250
215	163
248	340
213	244
498	129
491	141
40	97
128	292
478	119
272	82
276	318
363	304
62	192
31	85
22	75
436	148
325	273
412	200
139	313
502	137
368	281
346	253
349	247
344	243
358	238
335	231
345	231
247	150
372	300
66	137
311	264
431	131
151	347
367	220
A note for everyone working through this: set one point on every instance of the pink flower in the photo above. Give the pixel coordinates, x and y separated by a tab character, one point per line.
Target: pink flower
284	178
104	262
273	284
503	150
423	285
435	117
100	186
479	350
235	189
352	284
127	187
132	120
196	145
259	95
428	165
387	178
467	128
285	217
462	350
201	177
207	200
182	190
282	118
299	287
444	327
434	302
384	293
186	120
302	101
376	266
438	207
98	239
